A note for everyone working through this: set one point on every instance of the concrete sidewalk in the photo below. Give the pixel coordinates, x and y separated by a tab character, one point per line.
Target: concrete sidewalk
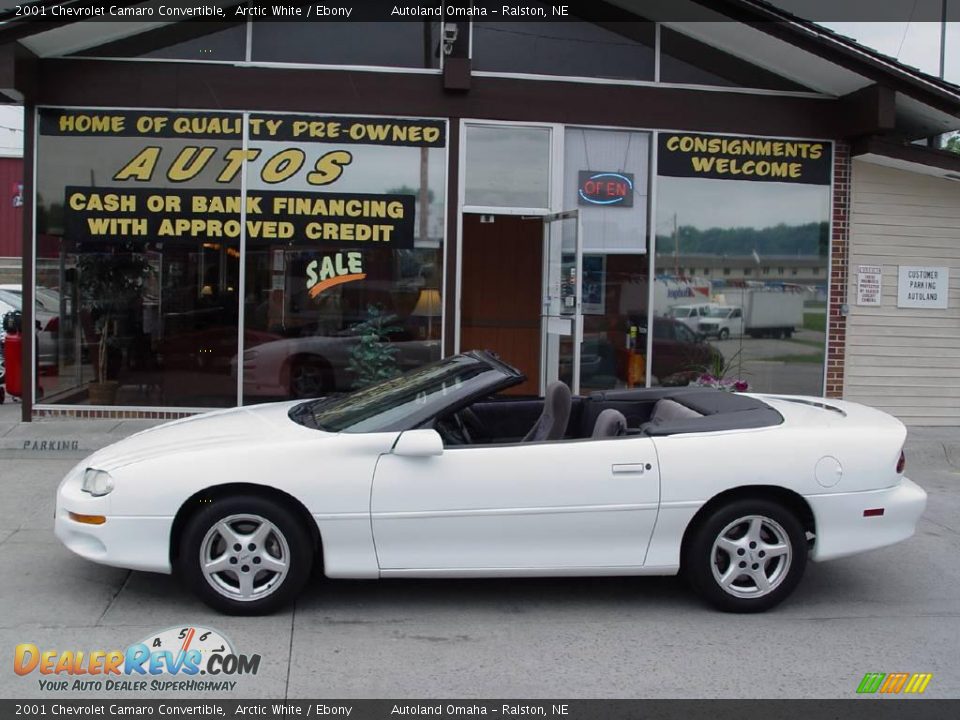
60	438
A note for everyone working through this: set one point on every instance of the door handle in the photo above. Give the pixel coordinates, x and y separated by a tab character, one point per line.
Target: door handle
630	468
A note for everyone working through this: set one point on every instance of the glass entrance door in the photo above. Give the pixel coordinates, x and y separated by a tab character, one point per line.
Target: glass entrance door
562	317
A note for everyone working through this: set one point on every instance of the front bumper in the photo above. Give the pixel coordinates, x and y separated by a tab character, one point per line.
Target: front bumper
132	542
843	530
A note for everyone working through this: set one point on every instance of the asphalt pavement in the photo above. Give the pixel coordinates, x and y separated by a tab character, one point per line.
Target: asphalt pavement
891	610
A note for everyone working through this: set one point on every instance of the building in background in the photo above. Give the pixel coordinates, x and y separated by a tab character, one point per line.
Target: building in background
11	217
237	212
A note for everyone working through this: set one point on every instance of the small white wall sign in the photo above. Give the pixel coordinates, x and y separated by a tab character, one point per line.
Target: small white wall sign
869	285
923	287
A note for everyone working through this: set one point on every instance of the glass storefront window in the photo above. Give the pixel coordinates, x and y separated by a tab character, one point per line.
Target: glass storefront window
329	314
179	41
606	173
689	61
507	166
413	44
148	309
620	50
735	321
141	221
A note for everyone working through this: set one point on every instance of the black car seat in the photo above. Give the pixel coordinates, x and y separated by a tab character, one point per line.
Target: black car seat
610	423
552	423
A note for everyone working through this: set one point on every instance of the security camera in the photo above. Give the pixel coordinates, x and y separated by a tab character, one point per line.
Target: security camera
450	33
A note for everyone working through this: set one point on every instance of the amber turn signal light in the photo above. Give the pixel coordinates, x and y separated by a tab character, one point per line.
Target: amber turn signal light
87	519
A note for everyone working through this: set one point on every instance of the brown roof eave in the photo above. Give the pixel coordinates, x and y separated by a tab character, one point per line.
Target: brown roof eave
916	154
809	36
14	28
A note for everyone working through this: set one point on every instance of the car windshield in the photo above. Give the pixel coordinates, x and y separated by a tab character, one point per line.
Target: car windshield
720	312
405	402
678	312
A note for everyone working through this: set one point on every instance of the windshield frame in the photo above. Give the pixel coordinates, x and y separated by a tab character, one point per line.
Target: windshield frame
486	374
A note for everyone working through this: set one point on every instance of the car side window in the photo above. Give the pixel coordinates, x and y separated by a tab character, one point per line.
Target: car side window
736	314
684	334
663	331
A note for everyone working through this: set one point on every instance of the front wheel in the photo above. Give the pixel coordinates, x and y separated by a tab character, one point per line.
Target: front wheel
747	556
723	334
245	555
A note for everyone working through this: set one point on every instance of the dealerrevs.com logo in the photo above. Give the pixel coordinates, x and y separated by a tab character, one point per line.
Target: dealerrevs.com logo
187	659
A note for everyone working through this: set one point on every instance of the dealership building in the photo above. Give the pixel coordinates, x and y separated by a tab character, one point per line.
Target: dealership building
234	212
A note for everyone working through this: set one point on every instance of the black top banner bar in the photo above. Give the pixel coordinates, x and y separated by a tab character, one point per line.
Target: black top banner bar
484	10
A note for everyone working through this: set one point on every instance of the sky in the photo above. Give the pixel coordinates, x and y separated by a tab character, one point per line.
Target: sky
914	43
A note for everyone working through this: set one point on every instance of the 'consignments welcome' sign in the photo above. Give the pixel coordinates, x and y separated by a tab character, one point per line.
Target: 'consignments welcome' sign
757	159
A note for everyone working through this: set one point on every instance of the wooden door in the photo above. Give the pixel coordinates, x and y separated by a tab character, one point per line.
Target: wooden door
501	292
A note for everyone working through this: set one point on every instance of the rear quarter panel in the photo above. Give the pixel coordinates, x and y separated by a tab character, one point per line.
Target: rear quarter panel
696	467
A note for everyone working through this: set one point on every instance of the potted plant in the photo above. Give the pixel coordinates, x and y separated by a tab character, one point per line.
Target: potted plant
373	358
715	375
110	283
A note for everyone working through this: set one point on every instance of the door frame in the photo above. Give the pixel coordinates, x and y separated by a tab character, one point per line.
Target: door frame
554	193
576	317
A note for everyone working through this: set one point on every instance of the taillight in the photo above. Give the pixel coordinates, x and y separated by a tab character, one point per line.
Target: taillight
901	463
53	325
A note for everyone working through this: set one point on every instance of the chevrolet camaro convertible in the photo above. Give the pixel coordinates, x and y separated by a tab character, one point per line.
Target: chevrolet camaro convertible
432	474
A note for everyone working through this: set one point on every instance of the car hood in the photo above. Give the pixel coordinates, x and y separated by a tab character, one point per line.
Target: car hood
236	426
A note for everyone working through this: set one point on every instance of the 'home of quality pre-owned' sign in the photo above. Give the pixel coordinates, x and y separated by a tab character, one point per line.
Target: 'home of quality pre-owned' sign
158	190
758	159
923	287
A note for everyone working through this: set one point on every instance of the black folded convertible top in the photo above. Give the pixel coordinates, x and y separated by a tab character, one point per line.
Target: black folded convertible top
719	410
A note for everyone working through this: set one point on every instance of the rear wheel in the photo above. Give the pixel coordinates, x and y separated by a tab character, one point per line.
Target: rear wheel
746	556
245	555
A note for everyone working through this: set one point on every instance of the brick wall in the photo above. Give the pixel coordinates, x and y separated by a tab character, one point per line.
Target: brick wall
839	255
78	411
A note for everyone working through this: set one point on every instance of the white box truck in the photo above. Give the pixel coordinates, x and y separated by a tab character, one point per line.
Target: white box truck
769	313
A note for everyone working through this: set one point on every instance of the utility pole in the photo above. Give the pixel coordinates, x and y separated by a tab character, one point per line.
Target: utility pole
943	41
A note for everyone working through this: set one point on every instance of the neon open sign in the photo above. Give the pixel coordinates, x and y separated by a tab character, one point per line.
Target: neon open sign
605	188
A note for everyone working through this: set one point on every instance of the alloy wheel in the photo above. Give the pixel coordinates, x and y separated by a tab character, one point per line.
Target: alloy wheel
244	557
751	557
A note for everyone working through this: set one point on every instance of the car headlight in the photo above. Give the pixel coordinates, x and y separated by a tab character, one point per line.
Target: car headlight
97	482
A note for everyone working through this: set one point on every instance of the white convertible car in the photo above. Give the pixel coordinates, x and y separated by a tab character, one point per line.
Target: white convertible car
431	474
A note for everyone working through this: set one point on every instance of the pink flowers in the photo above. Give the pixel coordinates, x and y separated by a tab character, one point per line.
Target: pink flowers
710	381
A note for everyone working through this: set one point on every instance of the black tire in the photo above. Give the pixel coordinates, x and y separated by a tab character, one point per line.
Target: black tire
705	565
723	334
287	541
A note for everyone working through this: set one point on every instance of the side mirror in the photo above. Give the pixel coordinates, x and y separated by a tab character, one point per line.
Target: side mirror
418	443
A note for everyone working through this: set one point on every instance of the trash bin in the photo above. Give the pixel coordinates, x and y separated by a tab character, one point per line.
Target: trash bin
12	349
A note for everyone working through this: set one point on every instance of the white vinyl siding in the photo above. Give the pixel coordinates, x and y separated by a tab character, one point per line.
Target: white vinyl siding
904	361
